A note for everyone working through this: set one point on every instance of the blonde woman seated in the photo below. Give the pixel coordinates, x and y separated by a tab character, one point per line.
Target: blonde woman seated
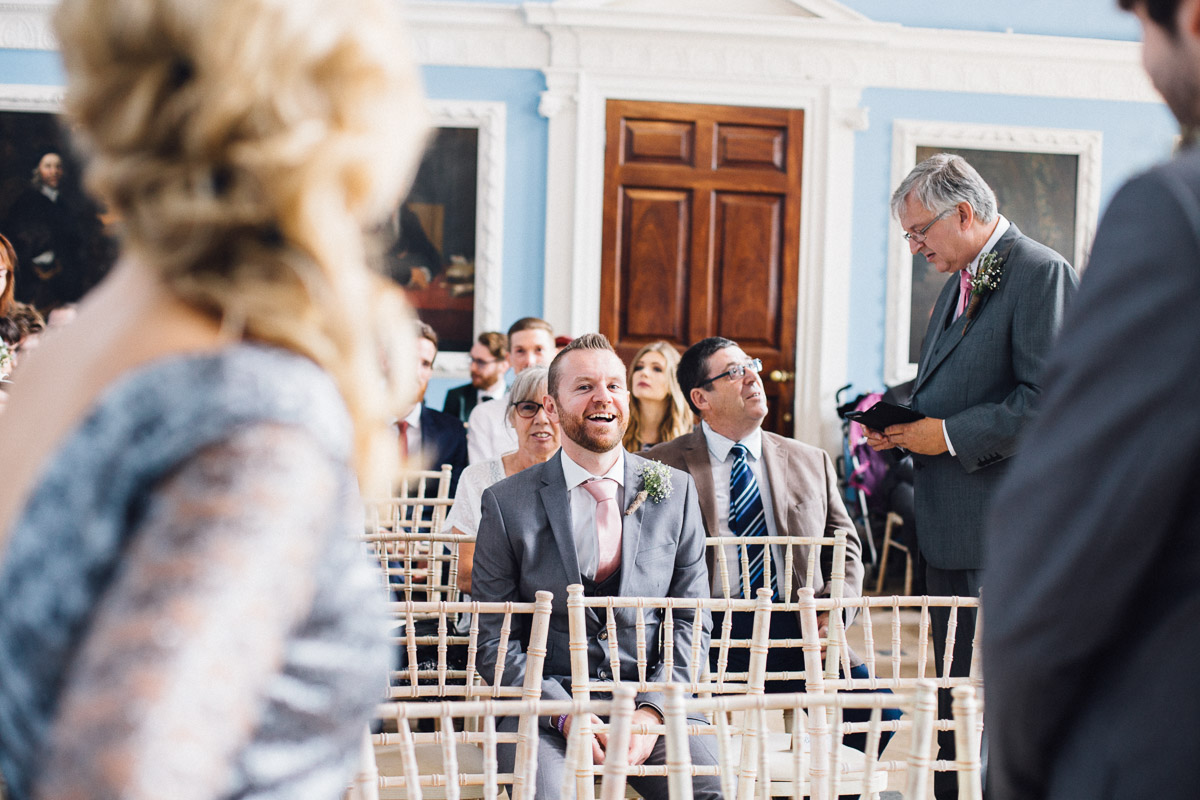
537	440
658	411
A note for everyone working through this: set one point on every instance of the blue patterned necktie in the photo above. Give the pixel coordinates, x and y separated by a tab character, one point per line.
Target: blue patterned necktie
746	517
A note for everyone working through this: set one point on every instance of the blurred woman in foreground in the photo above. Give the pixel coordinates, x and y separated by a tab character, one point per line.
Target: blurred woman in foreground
183	613
658	411
537	440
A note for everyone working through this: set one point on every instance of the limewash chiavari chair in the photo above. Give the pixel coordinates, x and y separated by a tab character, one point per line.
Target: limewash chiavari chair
815	765
793	547
407	534
624	618
389	759
835	580
447	680
458	762
896	672
892	609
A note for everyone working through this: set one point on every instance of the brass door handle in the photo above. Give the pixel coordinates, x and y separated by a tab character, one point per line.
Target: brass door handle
782	376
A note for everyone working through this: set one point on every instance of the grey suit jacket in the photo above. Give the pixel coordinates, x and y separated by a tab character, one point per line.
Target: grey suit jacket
525	545
1093	577
804	501
984	383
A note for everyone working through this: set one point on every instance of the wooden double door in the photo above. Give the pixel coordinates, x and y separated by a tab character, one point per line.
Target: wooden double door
702	233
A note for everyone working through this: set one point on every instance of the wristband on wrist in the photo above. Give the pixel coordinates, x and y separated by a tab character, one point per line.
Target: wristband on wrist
560	722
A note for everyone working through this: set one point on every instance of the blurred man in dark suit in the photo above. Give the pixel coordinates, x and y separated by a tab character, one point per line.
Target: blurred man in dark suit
489	362
1093	582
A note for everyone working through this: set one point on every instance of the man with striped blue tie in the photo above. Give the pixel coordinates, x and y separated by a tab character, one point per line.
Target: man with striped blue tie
752	482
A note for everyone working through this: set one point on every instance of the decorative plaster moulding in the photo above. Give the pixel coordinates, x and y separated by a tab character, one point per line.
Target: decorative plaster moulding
907	136
25	97
806	40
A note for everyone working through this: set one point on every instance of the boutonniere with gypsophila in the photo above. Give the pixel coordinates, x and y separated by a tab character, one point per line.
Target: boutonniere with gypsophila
987	278
656	485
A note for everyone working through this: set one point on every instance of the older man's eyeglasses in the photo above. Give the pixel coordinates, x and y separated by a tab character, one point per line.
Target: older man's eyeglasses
527	409
919	236
734	373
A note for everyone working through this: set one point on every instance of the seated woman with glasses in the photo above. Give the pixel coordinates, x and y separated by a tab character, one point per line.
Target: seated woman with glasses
537	440
658	411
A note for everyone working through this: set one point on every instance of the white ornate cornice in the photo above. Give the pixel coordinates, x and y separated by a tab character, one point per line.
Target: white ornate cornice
22	97
830	47
26	26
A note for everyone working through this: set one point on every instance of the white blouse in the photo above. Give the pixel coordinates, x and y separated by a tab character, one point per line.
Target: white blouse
467	508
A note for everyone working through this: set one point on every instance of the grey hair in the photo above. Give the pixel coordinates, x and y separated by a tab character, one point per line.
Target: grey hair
943	181
529	385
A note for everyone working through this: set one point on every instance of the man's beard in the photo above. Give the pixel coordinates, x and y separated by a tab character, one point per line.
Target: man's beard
575	429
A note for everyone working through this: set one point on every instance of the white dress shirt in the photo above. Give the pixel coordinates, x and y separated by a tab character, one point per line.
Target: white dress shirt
495	392
1001	227
489	435
583	509
721	458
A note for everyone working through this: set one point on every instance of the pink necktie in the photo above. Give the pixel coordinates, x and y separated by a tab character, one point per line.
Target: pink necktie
608	526
403	426
964	292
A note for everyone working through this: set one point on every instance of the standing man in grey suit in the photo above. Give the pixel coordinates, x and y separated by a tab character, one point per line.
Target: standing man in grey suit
1093	590
570	520
977	380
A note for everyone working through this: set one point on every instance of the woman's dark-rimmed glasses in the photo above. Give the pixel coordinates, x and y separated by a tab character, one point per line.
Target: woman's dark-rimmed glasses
527	409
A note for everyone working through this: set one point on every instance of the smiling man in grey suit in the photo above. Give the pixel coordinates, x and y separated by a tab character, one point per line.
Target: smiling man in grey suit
978	377
571	520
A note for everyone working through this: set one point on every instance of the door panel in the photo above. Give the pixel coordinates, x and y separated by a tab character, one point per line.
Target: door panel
656	272
702	232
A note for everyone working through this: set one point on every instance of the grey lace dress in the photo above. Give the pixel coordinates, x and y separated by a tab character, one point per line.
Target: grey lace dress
182	610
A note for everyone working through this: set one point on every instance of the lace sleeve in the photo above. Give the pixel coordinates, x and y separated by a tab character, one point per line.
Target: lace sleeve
170	680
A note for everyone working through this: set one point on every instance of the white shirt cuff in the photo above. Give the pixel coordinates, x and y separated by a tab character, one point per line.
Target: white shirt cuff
946	436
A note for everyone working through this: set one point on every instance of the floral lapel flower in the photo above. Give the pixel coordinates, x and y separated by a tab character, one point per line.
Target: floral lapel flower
987	278
5	360
656	485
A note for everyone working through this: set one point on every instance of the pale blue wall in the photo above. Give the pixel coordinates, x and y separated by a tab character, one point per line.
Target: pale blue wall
1098	19
31	66
1135	136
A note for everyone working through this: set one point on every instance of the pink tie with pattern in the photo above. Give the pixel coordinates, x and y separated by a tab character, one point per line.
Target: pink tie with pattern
608	526
964	292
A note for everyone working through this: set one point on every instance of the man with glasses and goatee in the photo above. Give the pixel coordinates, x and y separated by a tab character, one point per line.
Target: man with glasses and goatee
755	483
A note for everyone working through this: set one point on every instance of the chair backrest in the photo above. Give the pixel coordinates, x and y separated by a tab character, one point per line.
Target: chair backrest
906	666
802	557
886	616
461	757
418	565
639	627
419	503
440	661
406	535
815	765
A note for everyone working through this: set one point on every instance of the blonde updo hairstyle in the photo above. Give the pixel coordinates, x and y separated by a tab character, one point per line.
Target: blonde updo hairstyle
246	145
